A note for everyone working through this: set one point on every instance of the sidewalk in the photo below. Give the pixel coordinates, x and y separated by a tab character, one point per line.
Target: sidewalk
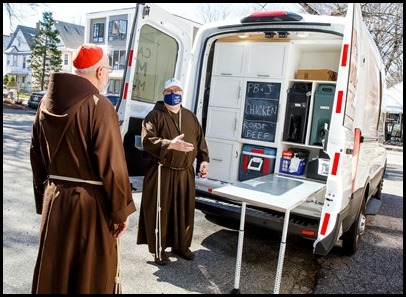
396	148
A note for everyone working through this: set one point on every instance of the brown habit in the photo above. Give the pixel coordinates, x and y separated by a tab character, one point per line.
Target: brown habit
76	134
177	195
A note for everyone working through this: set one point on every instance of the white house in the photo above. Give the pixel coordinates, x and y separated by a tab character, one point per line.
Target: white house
19	50
6	40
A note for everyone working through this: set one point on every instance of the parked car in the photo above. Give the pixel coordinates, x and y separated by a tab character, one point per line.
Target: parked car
113	98
35	99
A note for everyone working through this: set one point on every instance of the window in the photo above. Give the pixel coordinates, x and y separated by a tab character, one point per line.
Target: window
65	59
14	60
156	61
98	33
115	86
24	62
117	29
118	59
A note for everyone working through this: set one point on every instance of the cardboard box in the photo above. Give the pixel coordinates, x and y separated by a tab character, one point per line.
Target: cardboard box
316	74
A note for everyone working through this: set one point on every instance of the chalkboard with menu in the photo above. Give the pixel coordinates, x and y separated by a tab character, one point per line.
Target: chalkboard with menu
261	110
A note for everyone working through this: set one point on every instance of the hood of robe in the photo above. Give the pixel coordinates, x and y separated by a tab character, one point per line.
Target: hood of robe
66	92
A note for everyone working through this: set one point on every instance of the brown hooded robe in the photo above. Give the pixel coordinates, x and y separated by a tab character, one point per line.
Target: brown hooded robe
177	195
76	134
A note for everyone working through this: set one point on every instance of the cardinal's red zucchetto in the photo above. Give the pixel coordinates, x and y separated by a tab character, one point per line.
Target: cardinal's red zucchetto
87	55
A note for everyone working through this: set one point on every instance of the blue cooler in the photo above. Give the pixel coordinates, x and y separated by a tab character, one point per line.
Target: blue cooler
256	161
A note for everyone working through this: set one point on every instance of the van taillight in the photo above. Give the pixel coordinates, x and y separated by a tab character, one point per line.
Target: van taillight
307	232
271	16
262	14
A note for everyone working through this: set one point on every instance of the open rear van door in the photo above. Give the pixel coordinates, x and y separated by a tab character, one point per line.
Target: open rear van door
159	48
339	184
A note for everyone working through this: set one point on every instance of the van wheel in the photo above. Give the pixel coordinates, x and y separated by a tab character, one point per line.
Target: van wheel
378	194
352	237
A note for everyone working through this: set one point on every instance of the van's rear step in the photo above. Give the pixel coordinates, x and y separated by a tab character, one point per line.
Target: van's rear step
373	206
265	218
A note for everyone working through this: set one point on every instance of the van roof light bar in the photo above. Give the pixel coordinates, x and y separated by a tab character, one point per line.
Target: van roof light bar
271	16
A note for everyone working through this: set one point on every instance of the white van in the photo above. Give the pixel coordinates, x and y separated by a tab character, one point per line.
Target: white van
297	96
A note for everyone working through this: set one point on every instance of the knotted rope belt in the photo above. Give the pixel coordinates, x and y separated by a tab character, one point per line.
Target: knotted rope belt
73	179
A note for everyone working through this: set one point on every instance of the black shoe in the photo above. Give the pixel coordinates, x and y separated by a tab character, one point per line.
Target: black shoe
164	259
187	255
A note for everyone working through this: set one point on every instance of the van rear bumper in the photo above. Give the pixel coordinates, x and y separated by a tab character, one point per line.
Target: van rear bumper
256	216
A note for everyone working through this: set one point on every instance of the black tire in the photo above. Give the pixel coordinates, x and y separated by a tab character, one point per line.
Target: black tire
378	194
352	237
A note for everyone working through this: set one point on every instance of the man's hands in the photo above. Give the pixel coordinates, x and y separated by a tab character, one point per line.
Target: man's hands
178	144
203	170
119	229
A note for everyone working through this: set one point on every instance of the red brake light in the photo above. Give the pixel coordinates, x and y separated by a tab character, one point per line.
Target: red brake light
268	13
271	16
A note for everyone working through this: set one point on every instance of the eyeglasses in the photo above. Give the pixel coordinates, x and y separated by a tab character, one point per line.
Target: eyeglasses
109	68
173	90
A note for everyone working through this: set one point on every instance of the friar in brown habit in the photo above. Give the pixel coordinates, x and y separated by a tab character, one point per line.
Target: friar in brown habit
81	182
173	137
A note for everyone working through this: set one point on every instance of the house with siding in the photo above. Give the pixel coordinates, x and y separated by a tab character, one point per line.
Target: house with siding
6	40
110	29
19	50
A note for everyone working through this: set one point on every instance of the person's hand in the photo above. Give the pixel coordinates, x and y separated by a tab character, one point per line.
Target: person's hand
180	145
203	170
119	229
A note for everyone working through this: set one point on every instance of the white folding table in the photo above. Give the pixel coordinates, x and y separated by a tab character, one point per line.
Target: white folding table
276	192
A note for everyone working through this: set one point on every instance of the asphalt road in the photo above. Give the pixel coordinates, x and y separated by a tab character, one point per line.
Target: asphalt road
376	268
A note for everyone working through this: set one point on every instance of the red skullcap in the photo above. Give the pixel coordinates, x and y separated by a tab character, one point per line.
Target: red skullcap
87	55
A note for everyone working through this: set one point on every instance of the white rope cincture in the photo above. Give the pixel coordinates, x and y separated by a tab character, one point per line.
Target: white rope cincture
73	179
158	238
117	282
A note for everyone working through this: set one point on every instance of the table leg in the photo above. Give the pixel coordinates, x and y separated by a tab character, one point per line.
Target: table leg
236	289
281	256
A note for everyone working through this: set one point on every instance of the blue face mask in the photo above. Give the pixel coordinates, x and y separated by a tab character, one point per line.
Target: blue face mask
172	99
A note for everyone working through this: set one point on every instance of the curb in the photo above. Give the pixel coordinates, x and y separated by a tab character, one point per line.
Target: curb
396	149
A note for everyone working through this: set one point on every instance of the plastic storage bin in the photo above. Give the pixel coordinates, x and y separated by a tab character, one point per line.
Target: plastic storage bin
294	161
284	167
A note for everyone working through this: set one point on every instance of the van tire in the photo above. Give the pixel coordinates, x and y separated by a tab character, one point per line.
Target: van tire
352	237
378	194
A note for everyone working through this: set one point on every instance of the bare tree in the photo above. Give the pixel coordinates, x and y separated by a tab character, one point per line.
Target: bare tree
385	22
210	12
18	11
